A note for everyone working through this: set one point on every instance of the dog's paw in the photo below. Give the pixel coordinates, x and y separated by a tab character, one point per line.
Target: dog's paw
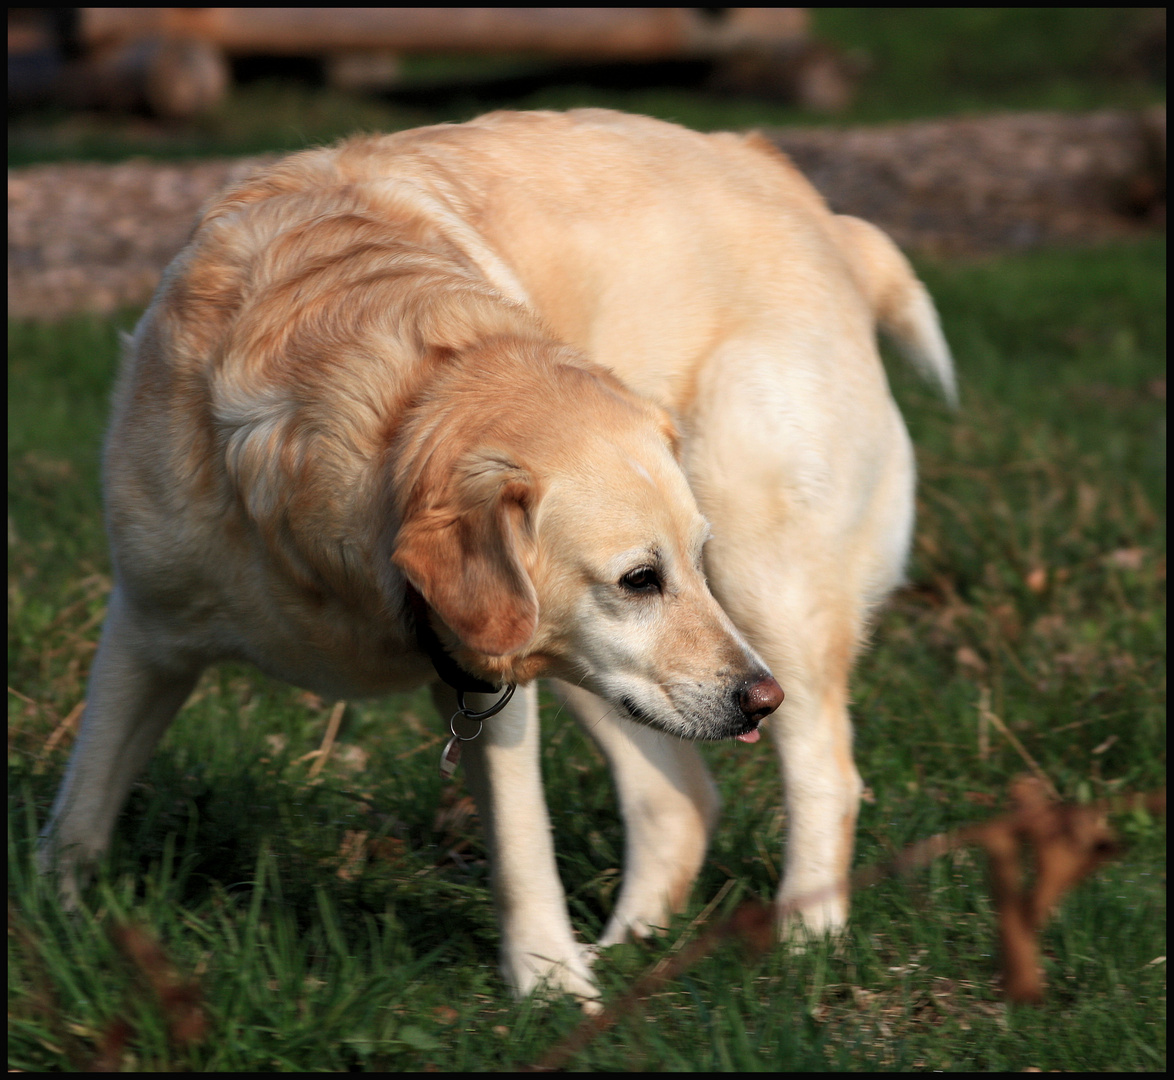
68	874
550	973
625	926
800	924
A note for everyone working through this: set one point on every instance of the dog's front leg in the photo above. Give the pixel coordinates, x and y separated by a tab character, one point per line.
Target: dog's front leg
669	803
538	947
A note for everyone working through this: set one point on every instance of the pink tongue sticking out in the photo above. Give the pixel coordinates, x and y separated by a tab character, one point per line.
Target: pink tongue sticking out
750	736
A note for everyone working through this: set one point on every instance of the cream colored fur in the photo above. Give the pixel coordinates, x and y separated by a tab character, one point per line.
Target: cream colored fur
554	370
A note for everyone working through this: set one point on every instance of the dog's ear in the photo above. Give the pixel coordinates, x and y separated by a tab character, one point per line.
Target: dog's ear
467	555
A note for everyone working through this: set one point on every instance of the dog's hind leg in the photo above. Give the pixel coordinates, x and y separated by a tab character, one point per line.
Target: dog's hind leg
808	483
669	804
538	946
131	698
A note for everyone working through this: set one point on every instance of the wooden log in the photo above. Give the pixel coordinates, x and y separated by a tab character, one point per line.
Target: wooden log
616	33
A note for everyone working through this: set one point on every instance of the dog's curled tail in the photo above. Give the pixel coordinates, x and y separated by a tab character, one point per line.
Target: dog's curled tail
900	302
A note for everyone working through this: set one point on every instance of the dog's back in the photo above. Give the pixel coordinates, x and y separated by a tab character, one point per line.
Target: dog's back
649	245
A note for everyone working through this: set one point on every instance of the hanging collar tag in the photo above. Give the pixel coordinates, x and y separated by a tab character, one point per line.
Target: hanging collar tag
451	757
462	681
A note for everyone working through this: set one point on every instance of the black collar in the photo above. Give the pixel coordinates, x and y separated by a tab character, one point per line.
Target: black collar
446	667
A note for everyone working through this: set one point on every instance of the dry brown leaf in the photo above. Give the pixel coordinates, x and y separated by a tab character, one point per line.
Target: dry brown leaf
1067	844
352	853
179	999
968	658
1126	558
1037	580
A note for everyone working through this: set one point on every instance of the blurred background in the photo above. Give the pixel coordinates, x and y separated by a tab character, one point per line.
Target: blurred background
105	82
955	129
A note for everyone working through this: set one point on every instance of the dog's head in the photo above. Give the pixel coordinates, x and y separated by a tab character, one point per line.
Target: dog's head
551	529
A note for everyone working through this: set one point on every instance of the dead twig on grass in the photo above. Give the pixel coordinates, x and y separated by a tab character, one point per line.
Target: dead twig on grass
1066	842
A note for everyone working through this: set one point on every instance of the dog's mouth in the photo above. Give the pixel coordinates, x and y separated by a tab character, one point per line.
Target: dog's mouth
642	716
638	714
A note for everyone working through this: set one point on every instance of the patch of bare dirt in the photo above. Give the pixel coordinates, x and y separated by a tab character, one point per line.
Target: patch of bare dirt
997	182
90	237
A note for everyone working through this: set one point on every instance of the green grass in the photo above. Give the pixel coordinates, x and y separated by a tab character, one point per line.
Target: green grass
917	63
344	921
943	61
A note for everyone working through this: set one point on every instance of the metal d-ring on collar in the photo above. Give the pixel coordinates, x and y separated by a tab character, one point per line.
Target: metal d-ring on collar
493	710
480	717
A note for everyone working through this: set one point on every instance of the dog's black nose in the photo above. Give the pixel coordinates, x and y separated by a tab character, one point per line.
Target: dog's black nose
758	698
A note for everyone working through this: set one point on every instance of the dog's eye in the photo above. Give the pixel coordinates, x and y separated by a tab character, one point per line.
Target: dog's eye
643	579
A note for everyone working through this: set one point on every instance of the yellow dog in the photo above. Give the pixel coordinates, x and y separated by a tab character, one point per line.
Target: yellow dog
474	404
